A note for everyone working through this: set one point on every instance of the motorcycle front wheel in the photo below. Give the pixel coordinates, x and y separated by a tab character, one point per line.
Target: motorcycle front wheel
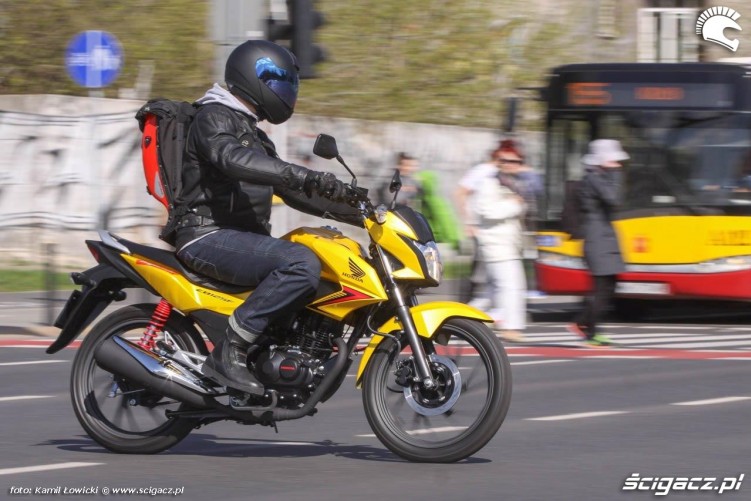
118	414
456	418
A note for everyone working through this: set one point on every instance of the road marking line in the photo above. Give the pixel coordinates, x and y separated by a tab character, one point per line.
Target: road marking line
424	432
32	362
35	346
580	415
536	362
563	337
653	337
668	327
45	467
724	351
676	341
713	401
437	430
625	357
698	345
23	397
686	337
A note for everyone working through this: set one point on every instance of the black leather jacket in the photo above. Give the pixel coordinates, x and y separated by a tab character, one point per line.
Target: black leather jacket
230	173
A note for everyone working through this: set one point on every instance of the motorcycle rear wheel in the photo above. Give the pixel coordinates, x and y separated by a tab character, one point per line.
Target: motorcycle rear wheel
458	418
121	416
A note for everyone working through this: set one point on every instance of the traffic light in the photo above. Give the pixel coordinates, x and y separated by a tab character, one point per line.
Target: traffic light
278	31
305	20
298	31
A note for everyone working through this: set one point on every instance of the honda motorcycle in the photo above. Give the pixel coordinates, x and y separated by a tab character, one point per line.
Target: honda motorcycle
435	380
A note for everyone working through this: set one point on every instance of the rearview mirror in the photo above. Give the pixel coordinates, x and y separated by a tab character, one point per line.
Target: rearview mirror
396	182
325	147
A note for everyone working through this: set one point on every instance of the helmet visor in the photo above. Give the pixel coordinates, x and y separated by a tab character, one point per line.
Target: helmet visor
282	82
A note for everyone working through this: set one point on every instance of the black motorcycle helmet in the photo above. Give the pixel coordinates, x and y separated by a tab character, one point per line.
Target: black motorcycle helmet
264	74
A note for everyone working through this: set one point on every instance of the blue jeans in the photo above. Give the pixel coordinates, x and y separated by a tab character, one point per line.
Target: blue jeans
285	274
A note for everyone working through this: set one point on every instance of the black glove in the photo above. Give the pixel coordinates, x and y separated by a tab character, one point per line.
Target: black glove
325	184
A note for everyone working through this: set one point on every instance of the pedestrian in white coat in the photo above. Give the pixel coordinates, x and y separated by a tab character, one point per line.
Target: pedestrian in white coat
498	208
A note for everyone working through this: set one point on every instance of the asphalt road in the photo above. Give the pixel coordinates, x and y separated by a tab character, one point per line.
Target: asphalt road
582	422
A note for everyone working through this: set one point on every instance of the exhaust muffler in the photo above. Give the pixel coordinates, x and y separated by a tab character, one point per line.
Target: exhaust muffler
159	374
165	377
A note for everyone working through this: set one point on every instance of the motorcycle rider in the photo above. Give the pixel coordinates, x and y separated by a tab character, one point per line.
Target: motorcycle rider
230	173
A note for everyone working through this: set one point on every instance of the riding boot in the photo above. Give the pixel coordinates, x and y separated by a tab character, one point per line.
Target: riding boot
226	364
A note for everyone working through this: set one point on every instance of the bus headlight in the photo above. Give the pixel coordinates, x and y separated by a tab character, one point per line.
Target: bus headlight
432	259
721	265
724	265
561	261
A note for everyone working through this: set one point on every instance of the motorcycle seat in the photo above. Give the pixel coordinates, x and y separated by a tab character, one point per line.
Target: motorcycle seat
168	258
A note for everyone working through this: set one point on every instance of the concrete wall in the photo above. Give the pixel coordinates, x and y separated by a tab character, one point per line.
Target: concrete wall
71	165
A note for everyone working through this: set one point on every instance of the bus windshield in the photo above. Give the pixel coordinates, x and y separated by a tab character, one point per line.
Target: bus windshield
681	158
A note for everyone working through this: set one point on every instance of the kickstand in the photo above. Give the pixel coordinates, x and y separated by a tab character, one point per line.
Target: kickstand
275	428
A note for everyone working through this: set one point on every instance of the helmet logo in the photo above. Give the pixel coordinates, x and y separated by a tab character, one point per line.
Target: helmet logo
712	23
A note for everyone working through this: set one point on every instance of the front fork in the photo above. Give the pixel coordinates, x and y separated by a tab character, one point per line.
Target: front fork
402	313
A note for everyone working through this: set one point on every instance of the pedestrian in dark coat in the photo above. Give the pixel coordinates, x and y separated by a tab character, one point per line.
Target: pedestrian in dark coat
599	196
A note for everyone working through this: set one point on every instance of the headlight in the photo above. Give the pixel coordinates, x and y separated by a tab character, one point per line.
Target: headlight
432	259
735	263
722	265
561	261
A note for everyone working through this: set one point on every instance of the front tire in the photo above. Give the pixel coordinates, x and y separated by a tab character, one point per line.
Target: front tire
456	419
119	415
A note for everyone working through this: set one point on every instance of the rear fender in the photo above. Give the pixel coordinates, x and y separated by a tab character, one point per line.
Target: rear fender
101	285
113	257
428	318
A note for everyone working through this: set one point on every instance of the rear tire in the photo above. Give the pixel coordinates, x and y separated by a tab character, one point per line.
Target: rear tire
111	419
396	414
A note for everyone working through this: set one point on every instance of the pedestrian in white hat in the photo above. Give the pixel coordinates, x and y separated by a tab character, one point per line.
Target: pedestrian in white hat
599	195
605	153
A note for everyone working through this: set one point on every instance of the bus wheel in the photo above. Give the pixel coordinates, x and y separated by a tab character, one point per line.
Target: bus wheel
631	310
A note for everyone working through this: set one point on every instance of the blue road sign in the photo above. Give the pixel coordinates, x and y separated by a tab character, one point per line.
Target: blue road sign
94	59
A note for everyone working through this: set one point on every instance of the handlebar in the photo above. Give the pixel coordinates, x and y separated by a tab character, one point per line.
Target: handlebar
355	196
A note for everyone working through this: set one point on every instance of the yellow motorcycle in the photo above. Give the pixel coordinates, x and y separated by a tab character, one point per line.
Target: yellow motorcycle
436	381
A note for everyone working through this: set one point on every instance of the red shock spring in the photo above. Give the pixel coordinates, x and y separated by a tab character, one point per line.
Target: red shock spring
158	319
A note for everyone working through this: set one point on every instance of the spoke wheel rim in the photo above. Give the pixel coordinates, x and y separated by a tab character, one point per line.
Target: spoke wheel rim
450	426
133	410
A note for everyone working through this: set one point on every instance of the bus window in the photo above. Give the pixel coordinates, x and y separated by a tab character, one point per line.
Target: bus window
568	142
682	159
721	154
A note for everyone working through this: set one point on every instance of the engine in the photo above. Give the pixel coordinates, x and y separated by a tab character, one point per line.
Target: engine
297	361
286	367
312	333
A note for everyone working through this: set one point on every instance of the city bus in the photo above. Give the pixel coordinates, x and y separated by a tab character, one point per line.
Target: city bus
684	226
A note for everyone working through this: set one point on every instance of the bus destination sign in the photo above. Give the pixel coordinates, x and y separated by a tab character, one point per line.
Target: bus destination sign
648	95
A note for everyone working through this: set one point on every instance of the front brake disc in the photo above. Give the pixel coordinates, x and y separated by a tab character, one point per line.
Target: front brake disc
442	399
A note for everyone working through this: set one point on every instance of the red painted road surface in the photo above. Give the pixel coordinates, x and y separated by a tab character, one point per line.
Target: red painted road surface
520	351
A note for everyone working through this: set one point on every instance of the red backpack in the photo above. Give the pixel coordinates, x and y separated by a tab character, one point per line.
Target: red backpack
165	125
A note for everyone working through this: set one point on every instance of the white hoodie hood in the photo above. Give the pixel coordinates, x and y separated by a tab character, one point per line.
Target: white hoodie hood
218	94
